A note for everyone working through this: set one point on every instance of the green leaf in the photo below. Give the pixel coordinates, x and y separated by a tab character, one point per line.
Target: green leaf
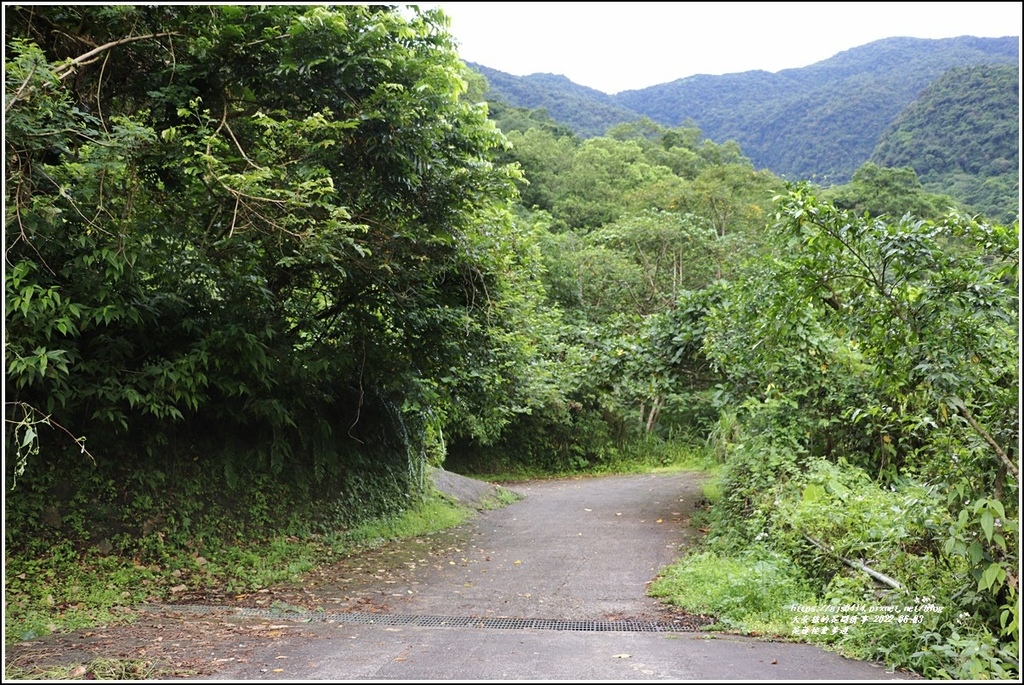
991	576
813	492
976	552
987	522
28	437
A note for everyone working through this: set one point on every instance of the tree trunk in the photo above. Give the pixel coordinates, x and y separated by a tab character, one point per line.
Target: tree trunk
653	415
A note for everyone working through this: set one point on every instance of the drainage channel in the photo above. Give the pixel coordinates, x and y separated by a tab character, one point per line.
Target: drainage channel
493	623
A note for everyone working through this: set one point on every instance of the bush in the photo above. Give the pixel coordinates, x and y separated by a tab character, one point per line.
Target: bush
824	518
751	592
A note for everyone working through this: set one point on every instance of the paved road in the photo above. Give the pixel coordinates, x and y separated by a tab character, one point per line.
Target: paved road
573	555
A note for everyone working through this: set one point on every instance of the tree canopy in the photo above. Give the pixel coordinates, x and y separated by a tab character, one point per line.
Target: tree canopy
271	230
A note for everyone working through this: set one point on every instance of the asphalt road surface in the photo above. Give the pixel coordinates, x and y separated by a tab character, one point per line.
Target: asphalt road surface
549	588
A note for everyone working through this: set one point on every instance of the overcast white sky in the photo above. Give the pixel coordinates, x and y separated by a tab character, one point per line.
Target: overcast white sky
615	46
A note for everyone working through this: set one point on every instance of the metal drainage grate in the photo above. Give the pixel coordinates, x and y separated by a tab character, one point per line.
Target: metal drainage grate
625	626
478	622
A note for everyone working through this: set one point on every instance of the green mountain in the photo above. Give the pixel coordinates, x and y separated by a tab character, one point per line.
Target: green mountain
588	112
819	122
962	136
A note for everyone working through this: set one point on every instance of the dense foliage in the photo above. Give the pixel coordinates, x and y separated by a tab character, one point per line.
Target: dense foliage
588	112
819	122
248	243
628	224
962	136
893	192
873	366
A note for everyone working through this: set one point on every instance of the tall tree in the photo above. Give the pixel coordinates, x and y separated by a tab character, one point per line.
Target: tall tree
894	192
267	226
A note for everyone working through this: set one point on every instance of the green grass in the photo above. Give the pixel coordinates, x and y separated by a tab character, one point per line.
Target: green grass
434	514
711	488
65	593
257	565
750	593
645	455
66	590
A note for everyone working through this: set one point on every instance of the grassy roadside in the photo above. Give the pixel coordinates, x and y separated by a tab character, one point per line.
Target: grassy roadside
886	597
641	456
69	590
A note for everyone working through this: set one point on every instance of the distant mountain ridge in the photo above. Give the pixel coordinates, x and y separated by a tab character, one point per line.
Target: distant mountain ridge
587	111
819	122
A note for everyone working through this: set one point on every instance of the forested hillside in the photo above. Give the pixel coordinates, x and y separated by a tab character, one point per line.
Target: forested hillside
586	111
818	123
265	265
962	137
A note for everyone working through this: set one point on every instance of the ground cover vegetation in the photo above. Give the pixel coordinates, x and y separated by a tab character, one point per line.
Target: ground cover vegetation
266	266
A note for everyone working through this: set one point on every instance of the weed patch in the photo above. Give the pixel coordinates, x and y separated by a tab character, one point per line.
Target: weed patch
96	669
434	514
751	593
68	590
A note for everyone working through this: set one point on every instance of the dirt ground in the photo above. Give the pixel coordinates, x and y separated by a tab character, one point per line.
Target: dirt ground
176	641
